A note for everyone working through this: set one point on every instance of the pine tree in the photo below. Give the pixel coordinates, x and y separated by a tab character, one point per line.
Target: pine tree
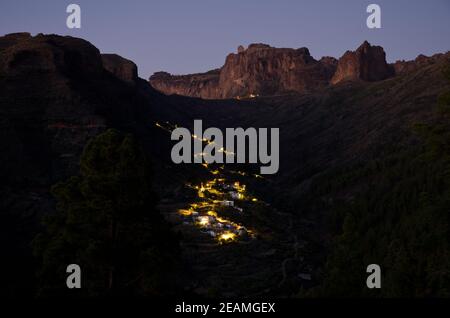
107	223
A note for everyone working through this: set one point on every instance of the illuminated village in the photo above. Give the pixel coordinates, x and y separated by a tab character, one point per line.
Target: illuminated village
215	196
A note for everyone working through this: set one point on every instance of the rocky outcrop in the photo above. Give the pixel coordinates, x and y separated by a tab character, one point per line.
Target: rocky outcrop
258	70
421	60
204	85
264	70
367	63
122	68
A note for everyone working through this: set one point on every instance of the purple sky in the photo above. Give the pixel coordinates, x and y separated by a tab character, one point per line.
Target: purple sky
186	36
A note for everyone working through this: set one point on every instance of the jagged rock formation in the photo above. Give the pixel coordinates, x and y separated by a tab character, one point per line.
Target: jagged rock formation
124	69
258	70
367	63
264	70
421	60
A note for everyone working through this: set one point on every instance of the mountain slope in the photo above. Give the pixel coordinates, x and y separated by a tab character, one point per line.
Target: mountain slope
339	145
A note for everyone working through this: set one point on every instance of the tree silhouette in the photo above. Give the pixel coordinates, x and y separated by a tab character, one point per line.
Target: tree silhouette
107	223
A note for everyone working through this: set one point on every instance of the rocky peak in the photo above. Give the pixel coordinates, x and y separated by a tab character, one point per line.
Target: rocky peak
367	63
364	47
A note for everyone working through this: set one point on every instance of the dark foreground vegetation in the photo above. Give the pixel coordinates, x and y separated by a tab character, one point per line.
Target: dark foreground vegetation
107	223
400	218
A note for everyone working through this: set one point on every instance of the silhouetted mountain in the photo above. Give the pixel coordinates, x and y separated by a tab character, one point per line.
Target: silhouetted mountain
58	92
55	95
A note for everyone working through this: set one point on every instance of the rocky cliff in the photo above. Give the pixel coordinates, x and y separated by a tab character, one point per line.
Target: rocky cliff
367	63
258	70
264	70
204	85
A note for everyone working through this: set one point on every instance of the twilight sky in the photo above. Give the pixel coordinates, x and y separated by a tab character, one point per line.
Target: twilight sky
189	36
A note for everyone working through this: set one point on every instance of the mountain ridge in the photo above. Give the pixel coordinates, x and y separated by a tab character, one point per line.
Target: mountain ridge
57	92
263	70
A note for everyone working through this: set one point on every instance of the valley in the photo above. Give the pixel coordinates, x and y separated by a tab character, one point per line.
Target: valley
360	174
226	229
